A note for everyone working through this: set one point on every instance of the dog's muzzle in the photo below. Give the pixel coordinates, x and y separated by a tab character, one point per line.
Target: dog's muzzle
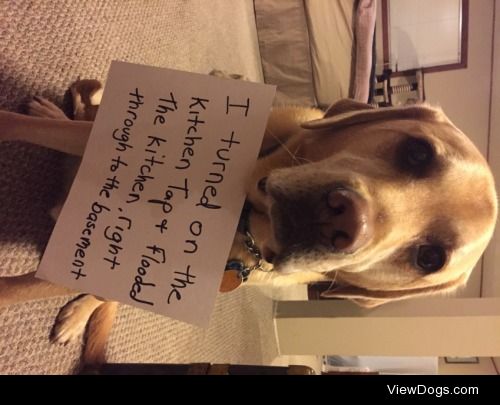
350	226
336	218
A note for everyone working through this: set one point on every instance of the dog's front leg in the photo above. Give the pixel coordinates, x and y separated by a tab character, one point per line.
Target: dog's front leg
24	288
59	134
73	318
90	314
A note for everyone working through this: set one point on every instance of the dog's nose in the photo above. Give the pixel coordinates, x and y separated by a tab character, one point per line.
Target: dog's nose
350	225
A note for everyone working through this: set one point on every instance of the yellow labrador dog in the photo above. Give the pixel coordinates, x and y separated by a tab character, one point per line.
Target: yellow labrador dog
388	203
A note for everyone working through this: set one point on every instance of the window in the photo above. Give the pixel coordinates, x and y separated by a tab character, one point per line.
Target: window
426	34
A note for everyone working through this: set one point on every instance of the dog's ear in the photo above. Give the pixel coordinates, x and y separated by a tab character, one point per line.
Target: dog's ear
346	105
349	112
373	298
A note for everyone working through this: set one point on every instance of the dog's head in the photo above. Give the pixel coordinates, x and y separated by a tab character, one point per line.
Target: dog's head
391	203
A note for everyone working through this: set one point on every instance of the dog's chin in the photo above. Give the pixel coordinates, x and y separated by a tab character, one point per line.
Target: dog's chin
290	263
288	259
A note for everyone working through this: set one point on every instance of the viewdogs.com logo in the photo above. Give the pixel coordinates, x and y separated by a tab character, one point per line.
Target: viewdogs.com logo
438	392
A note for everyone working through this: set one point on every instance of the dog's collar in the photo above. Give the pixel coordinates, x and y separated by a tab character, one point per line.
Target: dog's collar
237	271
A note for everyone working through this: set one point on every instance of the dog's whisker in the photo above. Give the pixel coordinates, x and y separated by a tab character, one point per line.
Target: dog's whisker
287	150
332	283
303	159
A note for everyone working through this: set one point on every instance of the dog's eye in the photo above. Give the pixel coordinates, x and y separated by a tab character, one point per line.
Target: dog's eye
415	155
430	258
261	185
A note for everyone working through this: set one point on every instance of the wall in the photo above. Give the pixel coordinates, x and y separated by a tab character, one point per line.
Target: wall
432	327
491	282
484	367
465	93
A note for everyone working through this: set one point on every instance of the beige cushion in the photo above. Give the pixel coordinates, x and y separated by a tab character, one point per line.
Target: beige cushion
332	52
308	48
284	49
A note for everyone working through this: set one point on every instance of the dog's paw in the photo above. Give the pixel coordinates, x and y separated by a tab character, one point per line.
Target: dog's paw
86	95
225	75
43	108
72	319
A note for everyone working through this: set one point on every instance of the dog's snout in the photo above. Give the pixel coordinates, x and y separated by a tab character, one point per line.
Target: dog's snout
350	224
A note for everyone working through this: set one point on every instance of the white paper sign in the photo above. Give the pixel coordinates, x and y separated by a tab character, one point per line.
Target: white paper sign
152	213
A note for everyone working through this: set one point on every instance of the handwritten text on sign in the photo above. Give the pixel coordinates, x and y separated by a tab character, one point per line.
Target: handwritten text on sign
153	210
